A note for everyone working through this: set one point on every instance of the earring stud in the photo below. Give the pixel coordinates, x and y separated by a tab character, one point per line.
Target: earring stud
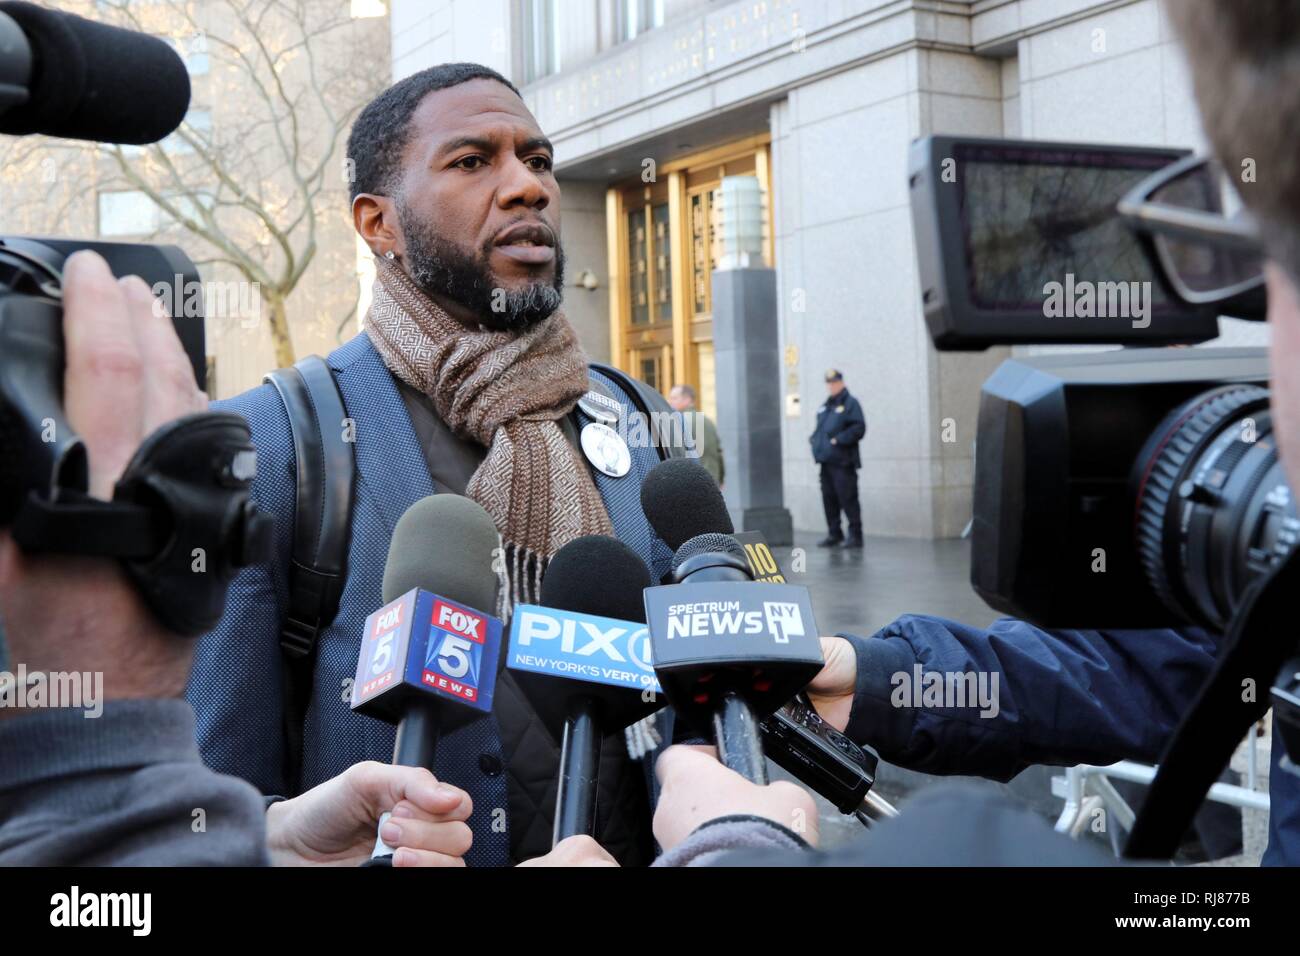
390	254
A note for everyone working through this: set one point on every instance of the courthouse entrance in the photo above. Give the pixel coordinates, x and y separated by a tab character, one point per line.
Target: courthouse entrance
663	245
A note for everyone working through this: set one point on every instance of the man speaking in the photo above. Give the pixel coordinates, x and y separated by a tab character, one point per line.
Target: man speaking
465	381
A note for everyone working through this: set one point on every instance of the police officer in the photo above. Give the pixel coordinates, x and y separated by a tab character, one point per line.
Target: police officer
840	426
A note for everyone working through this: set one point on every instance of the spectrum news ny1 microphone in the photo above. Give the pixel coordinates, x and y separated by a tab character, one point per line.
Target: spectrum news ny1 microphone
64	75
428	659
582	659
727	653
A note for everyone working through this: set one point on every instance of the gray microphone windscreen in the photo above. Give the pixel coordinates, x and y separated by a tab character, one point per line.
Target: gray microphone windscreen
445	544
708	544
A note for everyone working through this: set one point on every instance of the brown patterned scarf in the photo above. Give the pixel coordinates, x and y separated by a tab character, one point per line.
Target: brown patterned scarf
505	391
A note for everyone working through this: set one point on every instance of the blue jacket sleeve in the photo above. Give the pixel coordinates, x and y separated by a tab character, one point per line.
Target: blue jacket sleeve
235	685
855	424
1031	696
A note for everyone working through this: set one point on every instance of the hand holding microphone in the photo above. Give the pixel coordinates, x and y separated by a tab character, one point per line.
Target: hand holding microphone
333	824
578	850
831	691
726	652
429	656
696	788
583	660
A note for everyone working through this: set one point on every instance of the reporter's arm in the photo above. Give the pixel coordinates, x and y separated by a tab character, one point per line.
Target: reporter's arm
333	824
1062	697
124	789
706	809
711	842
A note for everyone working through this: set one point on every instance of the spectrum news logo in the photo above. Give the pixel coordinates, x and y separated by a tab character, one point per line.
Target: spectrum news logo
780	620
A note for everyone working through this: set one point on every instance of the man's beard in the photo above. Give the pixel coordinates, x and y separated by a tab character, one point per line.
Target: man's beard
443	270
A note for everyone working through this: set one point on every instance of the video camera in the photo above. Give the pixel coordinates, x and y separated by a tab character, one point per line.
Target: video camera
1129	488
188	485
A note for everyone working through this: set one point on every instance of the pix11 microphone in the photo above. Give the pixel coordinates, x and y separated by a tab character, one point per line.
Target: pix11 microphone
428	659
583	662
727	652
64	75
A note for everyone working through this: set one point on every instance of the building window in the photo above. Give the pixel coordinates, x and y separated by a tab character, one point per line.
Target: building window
634	17
194	51
130	212
539	22
126	213
199	123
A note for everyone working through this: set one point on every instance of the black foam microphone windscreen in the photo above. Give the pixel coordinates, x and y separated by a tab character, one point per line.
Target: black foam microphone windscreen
597	575
445	544
681	500
94	81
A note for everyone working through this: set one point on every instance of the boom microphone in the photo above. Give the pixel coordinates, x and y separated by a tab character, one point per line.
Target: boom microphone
583	661
64	75
428	658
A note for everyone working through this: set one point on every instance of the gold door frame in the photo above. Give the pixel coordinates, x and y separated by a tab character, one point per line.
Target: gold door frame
686	177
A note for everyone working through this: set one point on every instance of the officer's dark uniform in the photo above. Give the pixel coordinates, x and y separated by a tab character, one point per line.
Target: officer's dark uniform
840	426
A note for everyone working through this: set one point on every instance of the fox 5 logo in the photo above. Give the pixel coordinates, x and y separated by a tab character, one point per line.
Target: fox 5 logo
783	620
455	647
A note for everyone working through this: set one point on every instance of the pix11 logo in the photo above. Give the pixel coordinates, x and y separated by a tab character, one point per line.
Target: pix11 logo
454	652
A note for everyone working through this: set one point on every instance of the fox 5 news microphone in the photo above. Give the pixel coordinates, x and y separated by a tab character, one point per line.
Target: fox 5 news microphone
726	652
429	657
583	661
63	75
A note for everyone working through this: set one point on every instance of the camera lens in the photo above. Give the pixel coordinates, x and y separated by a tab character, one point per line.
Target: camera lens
1212	508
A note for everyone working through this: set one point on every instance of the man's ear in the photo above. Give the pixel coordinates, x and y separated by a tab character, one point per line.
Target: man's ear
375	219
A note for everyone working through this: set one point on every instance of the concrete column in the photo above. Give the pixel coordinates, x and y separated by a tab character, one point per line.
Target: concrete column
749	401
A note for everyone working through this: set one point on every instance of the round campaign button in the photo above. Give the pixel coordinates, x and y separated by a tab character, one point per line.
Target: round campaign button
600	408
606	450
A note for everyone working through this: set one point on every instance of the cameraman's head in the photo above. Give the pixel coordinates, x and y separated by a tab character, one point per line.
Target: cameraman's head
1245	61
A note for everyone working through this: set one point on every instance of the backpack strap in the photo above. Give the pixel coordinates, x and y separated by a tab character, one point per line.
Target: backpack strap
651	404
321	531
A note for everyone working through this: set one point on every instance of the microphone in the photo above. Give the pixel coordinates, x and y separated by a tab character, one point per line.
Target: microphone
726	653
428	658
710	557
64	75
583	661
681	500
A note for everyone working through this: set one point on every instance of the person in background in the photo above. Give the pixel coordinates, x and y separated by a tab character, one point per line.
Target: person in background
840	426
700	430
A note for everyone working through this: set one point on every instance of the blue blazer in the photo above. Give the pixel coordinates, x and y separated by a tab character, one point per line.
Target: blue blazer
235	686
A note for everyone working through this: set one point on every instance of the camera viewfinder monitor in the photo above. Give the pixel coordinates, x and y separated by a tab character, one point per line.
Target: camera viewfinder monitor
1019	242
